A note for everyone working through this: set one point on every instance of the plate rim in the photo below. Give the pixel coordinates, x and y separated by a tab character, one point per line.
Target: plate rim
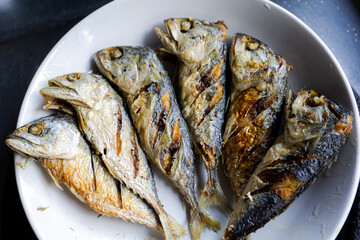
270	4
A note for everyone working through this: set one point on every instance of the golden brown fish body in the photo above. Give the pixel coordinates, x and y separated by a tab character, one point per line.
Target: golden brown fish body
163	133
105	123
56	143
201	49
258	90
315	130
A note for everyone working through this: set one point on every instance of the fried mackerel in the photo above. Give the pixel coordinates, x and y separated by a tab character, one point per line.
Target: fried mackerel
163	133
57	144
258	91
106	125
315	130
201	48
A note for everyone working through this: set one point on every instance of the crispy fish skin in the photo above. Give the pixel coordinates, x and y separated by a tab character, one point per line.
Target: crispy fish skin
106	125
57	144
258	90
144	83
201	49
315	130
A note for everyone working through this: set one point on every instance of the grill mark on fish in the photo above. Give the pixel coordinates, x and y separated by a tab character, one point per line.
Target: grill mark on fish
167	154
260	105
244	101
283	183
152	88
214	100
291	160
208	154
118	133
93	171
134	152
210	78
158	125
119	193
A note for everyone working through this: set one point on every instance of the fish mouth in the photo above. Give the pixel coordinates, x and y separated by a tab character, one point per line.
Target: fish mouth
102	58
21	144
172	28
63	88
168	36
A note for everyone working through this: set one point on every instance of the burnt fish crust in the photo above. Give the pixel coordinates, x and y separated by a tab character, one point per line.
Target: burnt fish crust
258	91
315	130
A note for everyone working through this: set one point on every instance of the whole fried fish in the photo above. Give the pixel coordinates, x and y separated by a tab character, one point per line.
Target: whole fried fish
57	144
258	90
201	49
104	121
163	133
315	130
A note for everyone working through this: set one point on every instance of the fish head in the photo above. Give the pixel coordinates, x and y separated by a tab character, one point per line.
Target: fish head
307	114
52	137
78	89
127	66
191	39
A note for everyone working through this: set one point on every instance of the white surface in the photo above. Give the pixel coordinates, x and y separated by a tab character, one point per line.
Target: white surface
318	214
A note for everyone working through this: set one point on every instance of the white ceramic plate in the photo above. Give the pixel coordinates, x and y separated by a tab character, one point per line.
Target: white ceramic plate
318	214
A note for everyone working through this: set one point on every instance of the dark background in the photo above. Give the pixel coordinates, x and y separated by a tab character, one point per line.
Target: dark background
29	29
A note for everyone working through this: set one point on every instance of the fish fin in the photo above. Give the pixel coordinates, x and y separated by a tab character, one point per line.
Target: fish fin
57	183
56	93
213	195
81	122
200	219
166	40
173	230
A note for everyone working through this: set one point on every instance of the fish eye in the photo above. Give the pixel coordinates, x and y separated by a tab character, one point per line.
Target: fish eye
252	45
73	77
315	101
185	25
116	54
36	129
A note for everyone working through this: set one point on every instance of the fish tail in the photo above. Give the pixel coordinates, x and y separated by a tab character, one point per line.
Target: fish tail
213	195
171	228
200	219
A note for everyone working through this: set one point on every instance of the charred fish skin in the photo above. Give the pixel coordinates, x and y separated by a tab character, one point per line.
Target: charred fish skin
258	91
57	144
201	49
315	130
105	123
163	132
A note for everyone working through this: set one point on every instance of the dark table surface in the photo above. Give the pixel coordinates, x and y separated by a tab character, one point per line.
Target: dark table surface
29	29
